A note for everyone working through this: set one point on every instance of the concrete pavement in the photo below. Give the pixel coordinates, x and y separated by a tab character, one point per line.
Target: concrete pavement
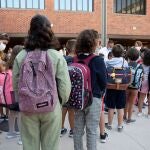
135	136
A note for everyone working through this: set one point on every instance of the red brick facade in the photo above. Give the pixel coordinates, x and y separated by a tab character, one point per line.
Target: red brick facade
68	24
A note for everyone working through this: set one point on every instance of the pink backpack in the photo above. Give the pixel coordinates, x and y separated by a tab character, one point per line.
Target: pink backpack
80	76
37	92
5	88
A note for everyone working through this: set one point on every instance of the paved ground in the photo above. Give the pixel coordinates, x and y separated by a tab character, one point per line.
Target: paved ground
134	137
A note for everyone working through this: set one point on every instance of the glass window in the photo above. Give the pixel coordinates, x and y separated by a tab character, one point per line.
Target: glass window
16	3
85	5
29	4
35	4
130	6
56	4
3	4
118	8
124	6
10	3
74	5
62	4
23	3
42	4
68	5
90	5
79	4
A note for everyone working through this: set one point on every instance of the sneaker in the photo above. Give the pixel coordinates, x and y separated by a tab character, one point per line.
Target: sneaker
103	137
17	133
120	129
148	116
140	114
124	118
0	131
11	136
109	127
63	131
71	133
130	120
19	142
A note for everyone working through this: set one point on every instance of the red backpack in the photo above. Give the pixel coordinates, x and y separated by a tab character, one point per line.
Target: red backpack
81	91
37	92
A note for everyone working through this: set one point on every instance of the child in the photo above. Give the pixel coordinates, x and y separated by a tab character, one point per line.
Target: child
13	115
2	78
116	98
66	108
89	117
132	91
4	39
144	90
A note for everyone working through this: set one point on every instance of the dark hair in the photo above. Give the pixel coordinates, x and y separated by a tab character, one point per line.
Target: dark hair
40	34
16	50
143	49
118	50
110	41
110	54
70	45
4	36
146	59
133	54
86	41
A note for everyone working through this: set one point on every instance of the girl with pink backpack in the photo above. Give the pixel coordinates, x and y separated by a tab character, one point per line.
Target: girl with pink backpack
6	98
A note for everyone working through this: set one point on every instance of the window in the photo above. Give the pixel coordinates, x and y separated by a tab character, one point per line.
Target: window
130	6
23	4
74	5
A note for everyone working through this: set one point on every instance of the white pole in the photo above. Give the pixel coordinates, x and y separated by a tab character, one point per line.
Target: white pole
104	22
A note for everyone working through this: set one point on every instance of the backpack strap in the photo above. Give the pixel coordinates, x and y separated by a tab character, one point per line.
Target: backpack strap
4	87
123	63
84	61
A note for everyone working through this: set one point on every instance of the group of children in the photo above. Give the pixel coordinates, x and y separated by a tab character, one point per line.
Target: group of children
138	60
93	116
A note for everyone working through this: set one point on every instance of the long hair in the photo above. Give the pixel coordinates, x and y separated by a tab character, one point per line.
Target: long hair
86	41
40	35
16	50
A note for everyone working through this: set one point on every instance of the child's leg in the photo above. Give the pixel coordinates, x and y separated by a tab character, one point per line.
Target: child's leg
79	124
127	104
18	120
92	115
110	116
120	117
148	104
11	122
102	123
64	112
140	102
131	101
71	118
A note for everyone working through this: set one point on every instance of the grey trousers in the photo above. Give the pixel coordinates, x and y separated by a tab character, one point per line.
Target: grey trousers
88	118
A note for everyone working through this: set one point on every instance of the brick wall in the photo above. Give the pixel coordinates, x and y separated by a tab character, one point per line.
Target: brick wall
17	21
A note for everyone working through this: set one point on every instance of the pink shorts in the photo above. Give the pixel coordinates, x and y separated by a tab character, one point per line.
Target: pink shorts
144	87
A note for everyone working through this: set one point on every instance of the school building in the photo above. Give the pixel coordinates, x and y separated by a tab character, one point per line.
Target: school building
127	20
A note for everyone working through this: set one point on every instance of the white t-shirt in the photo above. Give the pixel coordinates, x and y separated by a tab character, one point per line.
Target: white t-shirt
105	52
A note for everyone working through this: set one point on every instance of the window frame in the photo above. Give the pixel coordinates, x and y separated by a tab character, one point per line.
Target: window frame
72	8
26	7
142	12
